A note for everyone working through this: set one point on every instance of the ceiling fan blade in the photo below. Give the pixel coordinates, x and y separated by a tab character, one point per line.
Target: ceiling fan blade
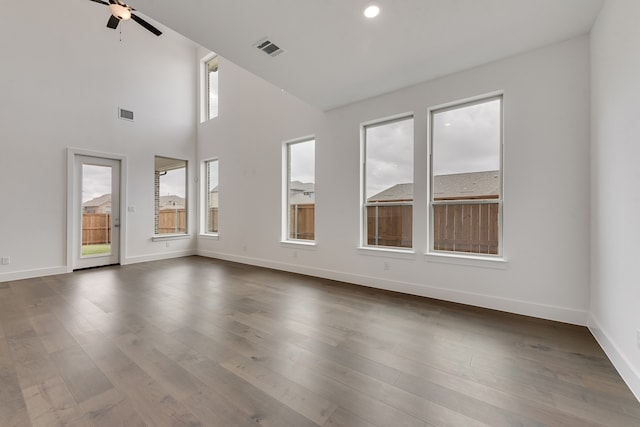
113	22
100	1
146	25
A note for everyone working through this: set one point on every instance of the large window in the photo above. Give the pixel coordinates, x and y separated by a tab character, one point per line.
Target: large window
466	177
211	196
388	183
170	196
300	190
211	78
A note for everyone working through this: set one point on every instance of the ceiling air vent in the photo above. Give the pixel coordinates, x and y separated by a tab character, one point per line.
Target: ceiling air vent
269	47
125	114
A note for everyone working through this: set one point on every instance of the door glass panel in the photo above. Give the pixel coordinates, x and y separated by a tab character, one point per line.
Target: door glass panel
96	210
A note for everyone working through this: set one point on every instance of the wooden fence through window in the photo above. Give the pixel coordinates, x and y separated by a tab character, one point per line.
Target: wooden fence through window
172	221
390	225
212	224
458	227
96	228
466	227
302	222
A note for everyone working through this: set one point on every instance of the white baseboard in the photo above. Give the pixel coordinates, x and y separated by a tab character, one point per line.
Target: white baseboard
629	374
549	312
158	257
30	274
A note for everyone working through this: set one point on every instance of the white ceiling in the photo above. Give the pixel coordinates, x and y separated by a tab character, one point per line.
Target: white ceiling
334	56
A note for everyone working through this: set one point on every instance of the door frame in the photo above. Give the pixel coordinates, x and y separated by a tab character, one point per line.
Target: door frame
71	155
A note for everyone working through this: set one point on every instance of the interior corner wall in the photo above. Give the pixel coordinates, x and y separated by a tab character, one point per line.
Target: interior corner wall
63	77
546	191
615	198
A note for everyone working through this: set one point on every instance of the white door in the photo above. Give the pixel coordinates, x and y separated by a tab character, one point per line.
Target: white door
96	212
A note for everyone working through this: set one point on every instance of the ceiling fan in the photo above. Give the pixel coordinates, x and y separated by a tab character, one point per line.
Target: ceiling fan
122	12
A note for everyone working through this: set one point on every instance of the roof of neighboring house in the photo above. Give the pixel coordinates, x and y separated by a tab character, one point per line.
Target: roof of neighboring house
98	201
467	185
302	199
302	186
213	197
453	186
398	192
171	202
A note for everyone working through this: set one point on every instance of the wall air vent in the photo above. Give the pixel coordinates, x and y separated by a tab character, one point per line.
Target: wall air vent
269	47
125	114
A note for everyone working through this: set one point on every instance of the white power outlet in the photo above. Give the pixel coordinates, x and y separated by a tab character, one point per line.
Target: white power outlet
5	260
387	266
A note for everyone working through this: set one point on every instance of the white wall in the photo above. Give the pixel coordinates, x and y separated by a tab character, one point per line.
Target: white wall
615	154
546	169
62	78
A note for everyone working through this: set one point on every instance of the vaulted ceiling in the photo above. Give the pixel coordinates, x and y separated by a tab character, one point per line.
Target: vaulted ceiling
334	56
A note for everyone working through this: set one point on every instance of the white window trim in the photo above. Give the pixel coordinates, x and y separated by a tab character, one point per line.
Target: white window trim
203	205
304	244
163	237
186	234
363	185
285	191
466	258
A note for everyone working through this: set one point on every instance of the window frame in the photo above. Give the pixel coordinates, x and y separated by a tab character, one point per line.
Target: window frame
363	190
286	171
204	194
499	256
206	89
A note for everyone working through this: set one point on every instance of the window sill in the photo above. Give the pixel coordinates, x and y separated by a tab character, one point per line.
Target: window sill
471	260
163	237
298	244
387	252
207	236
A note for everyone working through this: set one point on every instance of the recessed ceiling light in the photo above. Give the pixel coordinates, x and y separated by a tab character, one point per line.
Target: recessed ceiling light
371	10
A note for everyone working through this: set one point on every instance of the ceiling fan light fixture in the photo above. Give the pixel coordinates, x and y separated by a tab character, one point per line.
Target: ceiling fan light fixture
121	12
371	10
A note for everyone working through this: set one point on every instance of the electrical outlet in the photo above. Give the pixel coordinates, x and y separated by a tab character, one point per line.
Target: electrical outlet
5	260
638	338
387	266
295	254
167	244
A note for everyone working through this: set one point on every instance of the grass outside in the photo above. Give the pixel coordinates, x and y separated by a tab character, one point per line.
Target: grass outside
96	249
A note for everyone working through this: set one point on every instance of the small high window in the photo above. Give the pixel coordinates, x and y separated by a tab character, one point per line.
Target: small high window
211	78
300	190
388	183
466	177
170	196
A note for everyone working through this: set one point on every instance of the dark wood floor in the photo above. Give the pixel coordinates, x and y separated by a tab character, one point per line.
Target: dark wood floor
195	341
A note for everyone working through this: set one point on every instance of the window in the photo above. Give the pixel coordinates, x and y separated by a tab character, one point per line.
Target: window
211	196
388	183
466	177
300	190
170	196
211	78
